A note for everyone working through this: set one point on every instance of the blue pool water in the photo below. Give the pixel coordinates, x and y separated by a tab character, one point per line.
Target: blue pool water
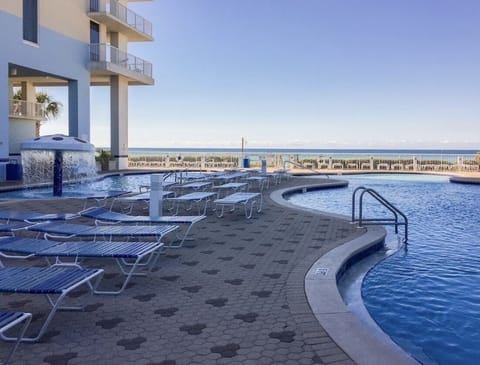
427	298
130	182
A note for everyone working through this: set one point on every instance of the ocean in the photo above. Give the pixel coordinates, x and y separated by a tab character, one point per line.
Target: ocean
255	153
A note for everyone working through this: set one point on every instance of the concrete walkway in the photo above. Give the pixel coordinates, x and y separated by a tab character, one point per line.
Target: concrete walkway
234	294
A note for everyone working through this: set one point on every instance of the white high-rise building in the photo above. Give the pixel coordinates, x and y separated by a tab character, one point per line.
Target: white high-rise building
74	44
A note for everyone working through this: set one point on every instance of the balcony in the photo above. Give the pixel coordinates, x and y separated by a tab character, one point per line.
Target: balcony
107	60
119	18
21	109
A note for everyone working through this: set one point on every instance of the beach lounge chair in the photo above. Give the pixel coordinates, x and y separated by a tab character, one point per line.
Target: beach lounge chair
102	216
9	320
257	182
70	230
11	227
101	198
273	177
247	200
14	215
194	186
189	200
285	174
53	282
129	256
147	187
228	188
232	177
128	202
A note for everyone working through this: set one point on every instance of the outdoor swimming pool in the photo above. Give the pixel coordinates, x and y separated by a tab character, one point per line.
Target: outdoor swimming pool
128	182
427	298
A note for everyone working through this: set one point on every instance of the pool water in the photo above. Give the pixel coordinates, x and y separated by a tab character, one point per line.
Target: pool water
128	182
426	298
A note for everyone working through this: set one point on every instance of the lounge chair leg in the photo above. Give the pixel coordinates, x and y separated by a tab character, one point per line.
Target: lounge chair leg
125	282
249	215
182	240
26	318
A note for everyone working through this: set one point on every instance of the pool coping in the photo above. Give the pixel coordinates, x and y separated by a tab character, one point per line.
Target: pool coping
323	296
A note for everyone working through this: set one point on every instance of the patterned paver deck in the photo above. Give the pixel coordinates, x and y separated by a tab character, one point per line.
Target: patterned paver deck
234	294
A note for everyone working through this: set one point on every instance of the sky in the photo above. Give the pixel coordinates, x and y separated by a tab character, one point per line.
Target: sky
303	74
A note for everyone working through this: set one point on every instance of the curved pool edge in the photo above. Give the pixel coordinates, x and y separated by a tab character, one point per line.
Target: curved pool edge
465	180
323	296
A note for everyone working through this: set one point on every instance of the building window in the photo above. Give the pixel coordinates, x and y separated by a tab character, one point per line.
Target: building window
94	41
94	5
30	20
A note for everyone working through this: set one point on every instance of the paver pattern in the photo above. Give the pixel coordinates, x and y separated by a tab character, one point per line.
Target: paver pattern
233	294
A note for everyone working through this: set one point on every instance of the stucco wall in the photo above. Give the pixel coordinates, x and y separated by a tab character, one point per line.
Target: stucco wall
20	130
66	17
63	56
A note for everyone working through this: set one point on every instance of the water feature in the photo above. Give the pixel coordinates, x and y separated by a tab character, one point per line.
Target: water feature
55	159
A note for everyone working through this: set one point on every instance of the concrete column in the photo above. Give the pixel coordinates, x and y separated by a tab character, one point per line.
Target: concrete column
119	121
4	120
28	92
119	109
10	90
29	95
79	108
156	196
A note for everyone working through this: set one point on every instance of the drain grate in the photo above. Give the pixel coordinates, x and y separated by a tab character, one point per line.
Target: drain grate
323	271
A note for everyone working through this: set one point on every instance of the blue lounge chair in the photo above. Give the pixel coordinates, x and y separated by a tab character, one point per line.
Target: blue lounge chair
231	177
53	282
147	187
195	186
14	215
189	200
127	202
248	200
228	188
101	197
258	182
129	255
102	216
9	320
10	228
70	230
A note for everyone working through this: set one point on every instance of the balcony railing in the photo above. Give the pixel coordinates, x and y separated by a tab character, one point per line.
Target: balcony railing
107	53
122	13
25	109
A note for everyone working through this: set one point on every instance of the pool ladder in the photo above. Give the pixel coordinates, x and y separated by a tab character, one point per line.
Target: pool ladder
397	213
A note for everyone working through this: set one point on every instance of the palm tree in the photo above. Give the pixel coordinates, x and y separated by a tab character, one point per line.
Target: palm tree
52	107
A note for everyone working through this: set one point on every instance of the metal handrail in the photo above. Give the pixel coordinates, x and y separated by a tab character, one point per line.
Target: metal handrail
122	13
101	52
26	109
378	221
303	167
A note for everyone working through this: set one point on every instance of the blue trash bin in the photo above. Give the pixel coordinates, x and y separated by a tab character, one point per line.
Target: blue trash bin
246	163
14	171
